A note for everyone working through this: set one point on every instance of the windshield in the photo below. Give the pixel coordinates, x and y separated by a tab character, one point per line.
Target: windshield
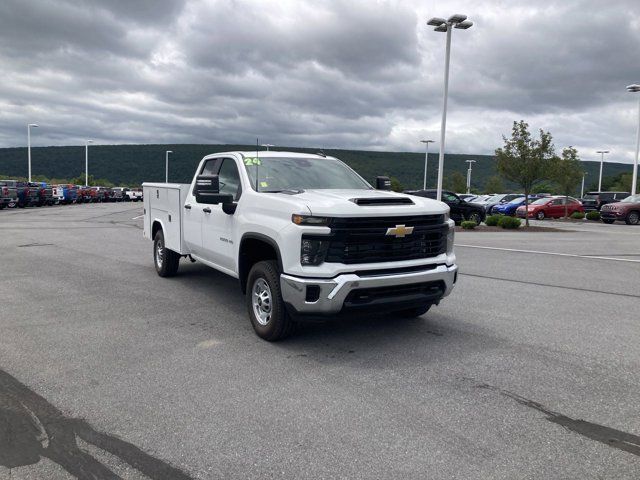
540	201
280	173
631	199
517	200
591	196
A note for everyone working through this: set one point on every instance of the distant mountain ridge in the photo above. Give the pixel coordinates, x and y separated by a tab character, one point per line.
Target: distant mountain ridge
134	164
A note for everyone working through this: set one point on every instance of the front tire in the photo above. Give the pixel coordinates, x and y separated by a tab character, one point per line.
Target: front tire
166	261
540	215
475	217
267	311
632	218
608	221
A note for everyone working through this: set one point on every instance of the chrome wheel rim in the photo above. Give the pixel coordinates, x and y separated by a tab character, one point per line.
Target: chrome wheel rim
540	215
261	301
159	254
633	218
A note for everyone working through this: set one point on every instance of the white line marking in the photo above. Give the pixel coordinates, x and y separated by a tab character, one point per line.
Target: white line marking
139	216
537	252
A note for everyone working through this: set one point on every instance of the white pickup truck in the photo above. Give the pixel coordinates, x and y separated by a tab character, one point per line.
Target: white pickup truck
305	235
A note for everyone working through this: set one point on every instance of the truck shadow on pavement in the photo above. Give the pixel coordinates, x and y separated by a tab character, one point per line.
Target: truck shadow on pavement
31	429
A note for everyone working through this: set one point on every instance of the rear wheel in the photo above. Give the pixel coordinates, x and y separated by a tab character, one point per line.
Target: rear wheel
475	217
414	312
608	220
540	215
165	260
632	218
267	311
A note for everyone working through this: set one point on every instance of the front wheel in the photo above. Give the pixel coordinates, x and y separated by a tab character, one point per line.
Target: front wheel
540	215
267	311
608	221
165	260
632	218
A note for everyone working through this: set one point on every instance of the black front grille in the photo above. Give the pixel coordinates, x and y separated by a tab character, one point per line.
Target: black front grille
365	240
427	291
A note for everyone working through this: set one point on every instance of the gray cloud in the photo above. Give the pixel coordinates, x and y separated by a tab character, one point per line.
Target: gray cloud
332	73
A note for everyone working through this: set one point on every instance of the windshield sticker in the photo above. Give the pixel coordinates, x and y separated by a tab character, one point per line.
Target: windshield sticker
264	184
252	161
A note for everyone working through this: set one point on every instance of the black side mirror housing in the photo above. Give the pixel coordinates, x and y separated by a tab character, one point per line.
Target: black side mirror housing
207	191
383	183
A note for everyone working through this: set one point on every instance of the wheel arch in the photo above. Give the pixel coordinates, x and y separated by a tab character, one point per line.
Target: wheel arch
155	226
255	247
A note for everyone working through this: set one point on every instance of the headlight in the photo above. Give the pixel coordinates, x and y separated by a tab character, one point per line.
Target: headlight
450	236
309	220
313	251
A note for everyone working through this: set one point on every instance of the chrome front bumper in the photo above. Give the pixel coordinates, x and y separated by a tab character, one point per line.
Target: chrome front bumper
334	291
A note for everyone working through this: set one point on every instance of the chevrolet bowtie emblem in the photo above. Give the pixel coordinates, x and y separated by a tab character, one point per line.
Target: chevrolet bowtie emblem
399	231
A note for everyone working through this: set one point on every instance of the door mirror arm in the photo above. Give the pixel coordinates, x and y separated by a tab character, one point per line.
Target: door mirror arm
229	208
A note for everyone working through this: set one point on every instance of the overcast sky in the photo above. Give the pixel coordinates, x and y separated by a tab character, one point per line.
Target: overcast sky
361	74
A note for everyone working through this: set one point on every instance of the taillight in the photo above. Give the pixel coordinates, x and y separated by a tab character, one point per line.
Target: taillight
5	191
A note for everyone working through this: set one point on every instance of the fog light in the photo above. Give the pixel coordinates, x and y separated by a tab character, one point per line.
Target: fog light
313	293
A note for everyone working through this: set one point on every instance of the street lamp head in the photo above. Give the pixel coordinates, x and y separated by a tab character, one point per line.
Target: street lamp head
633	88
464	25
427	141
602	151
33	125
89	141
436	21
457	18
470	161
442	28
169	151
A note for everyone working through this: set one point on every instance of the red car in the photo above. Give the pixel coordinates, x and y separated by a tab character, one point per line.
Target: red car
551	207
627	210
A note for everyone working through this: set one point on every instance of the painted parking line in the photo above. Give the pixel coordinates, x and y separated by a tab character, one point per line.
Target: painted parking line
538	252
139	216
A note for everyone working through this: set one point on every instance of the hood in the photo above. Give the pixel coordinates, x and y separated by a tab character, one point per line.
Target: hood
367	203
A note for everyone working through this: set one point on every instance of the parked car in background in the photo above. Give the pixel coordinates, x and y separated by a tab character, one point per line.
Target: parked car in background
499	198
134	194
460	209
595	200
84	194
58	194
27	195
627	210
508	208
45	193
69	193
101	194
8	193
550	207
118	194
467	197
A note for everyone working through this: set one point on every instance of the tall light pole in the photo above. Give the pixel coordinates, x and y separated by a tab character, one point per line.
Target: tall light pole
584	174
635	88
470	162
267	145
29	144
442	25
166	166
601	152
426	161
86	162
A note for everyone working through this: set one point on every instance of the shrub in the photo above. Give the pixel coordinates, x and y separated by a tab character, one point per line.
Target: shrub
577	215
492	220
509	222
593	215
468	225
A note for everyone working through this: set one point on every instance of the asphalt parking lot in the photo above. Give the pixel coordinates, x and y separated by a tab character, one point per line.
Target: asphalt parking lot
529	370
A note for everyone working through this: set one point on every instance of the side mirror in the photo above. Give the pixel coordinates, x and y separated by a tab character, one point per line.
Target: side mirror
383	183
207	191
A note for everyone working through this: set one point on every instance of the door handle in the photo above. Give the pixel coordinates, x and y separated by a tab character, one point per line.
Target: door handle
206	210
187	206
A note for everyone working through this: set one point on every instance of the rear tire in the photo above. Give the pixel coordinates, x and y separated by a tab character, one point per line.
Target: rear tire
540	215
633	218
267	312
166	261
475	217
608	221
414	312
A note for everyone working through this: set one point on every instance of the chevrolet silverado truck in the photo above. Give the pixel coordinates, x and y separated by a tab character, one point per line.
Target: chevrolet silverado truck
306	237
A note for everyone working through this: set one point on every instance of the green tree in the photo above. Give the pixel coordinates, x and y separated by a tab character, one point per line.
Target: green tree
524	160
494	185
456	182
396	186
567	172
